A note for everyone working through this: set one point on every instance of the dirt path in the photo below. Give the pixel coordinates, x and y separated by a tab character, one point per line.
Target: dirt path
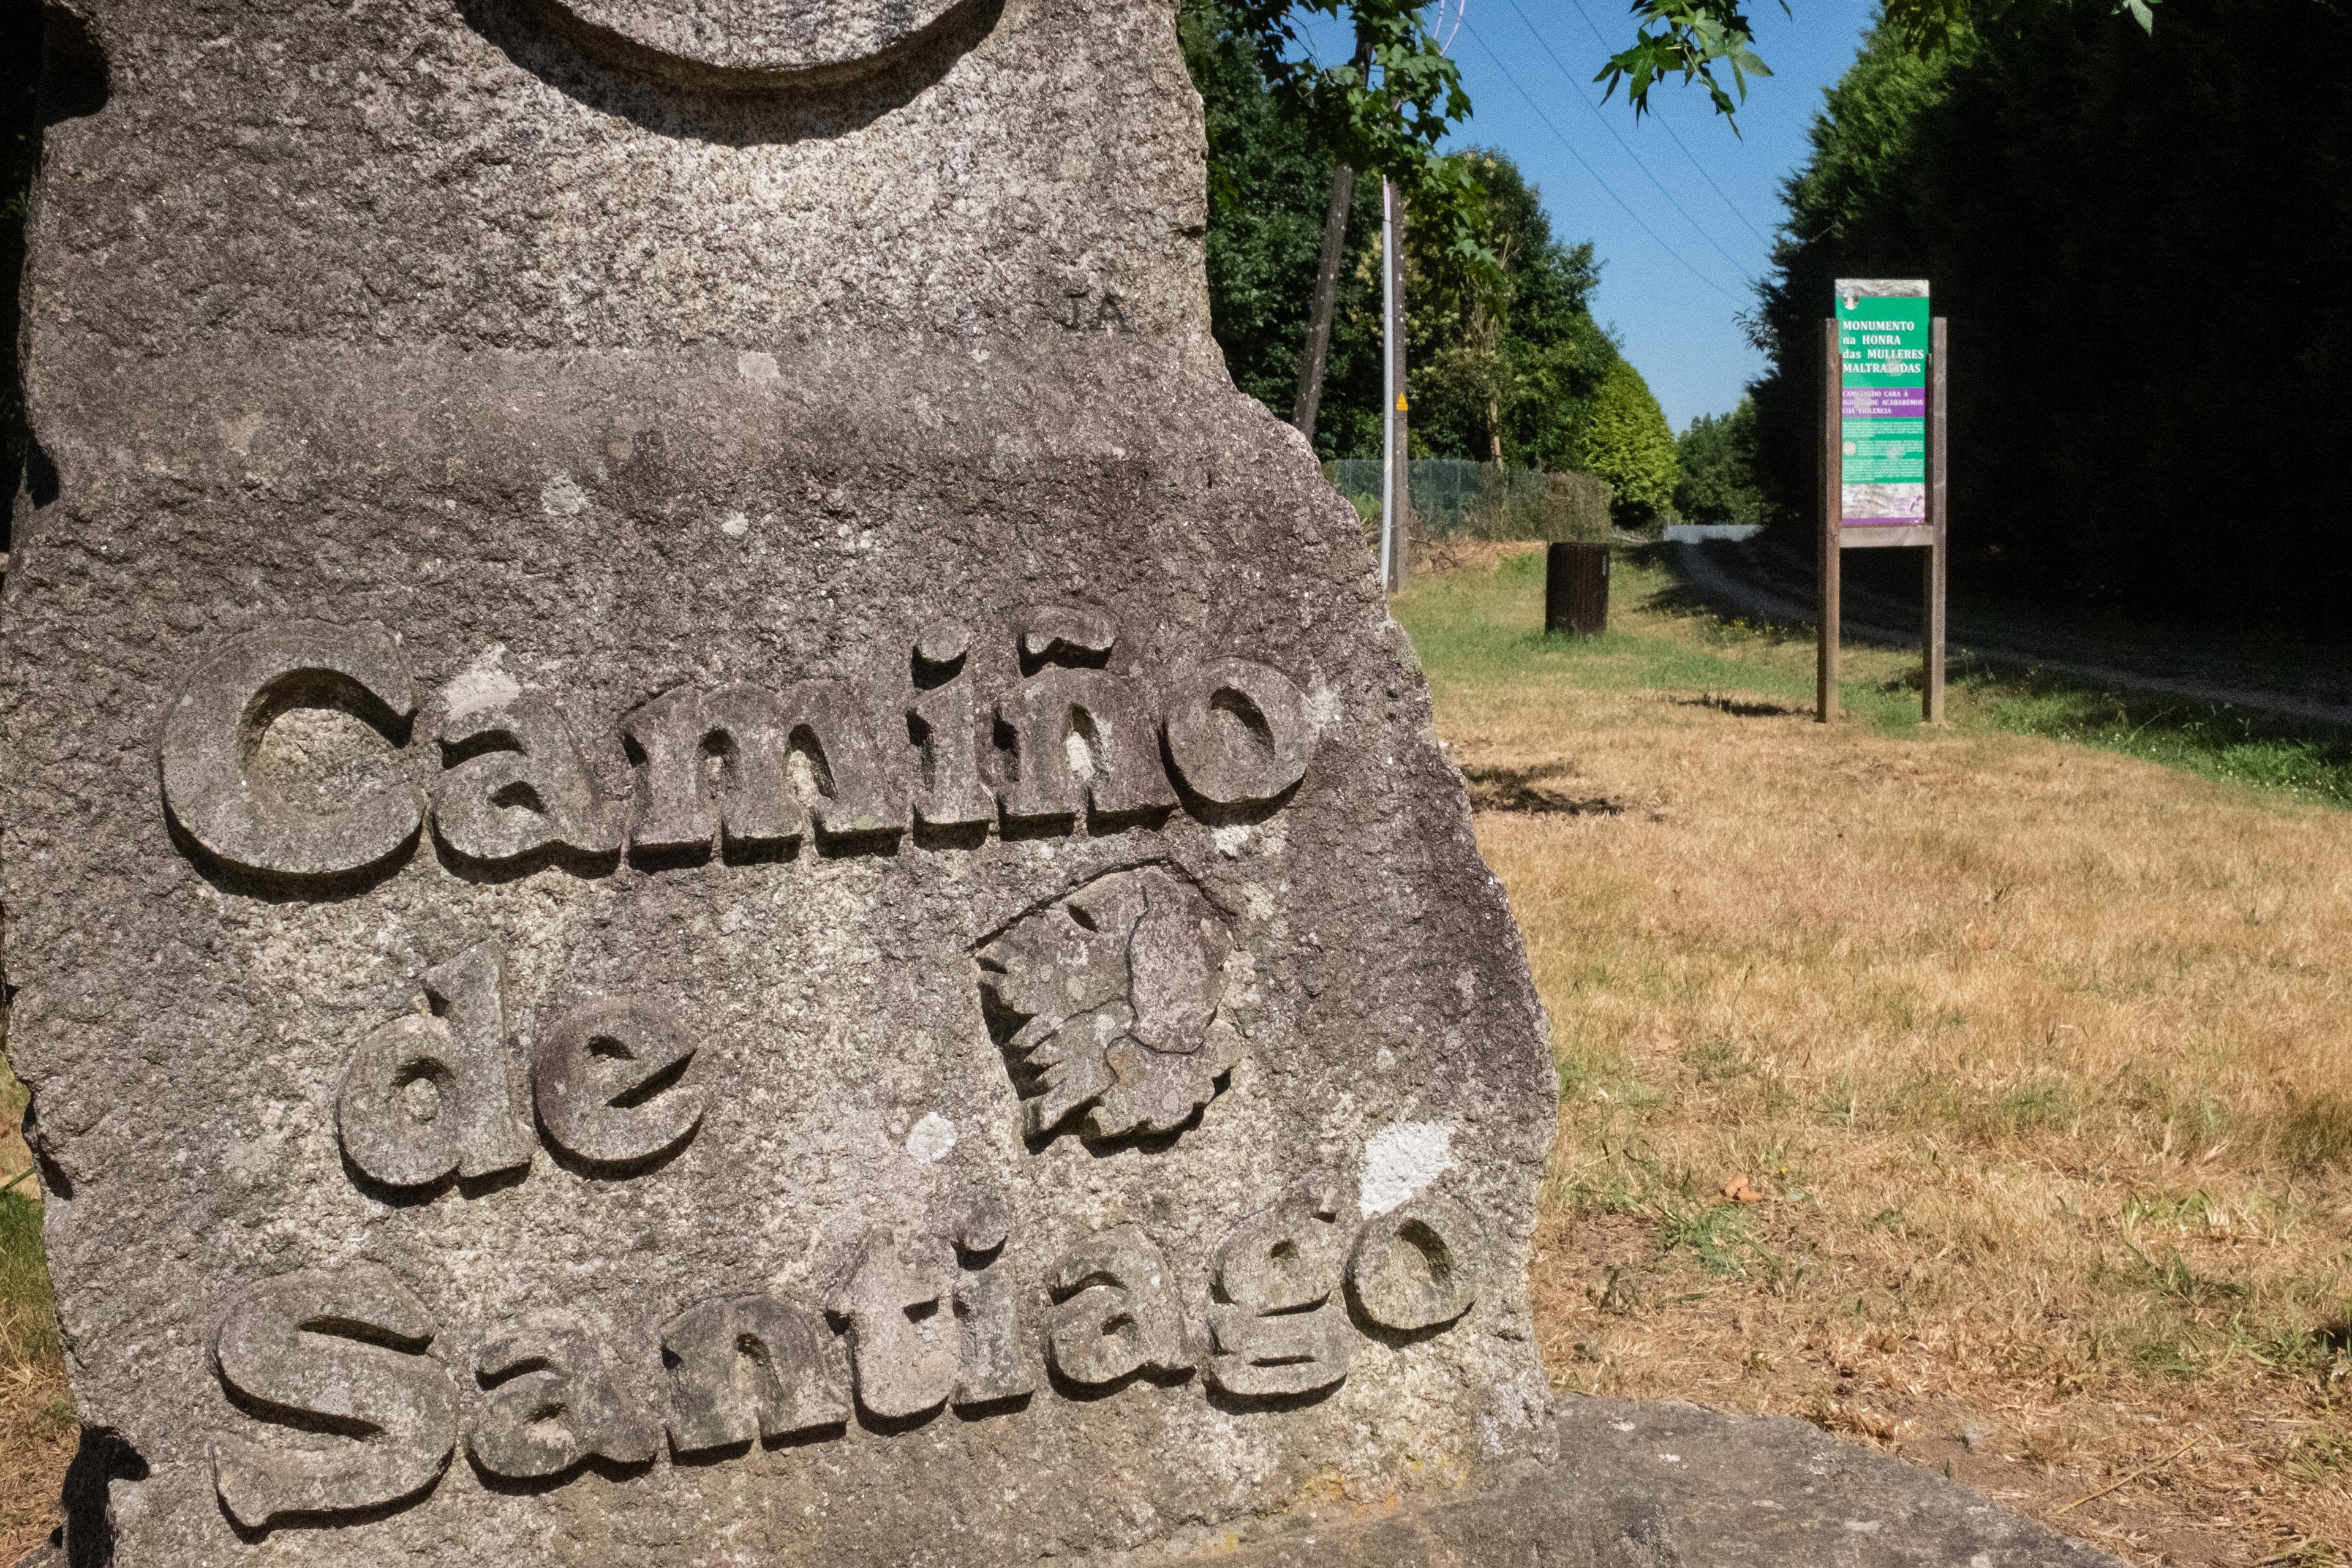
1710	577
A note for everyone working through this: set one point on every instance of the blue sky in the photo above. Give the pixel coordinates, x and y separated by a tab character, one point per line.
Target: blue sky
1680	230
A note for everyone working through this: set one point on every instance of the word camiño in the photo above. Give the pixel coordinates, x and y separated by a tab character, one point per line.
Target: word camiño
747	768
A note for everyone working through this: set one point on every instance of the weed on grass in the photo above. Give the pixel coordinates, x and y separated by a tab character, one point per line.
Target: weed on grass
2016	1044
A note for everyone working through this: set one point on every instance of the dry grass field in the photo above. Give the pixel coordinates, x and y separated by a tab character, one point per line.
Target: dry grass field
36	1424
1973	1094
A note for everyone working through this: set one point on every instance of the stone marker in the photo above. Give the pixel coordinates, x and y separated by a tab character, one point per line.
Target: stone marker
708	857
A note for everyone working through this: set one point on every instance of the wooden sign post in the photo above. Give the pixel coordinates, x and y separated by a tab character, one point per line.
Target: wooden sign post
1884	477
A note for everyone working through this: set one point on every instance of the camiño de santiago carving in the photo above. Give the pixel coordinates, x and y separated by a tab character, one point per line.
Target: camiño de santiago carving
337	1405
1127	993
743	768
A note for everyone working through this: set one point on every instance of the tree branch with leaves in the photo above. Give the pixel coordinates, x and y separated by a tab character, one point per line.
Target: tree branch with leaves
1708	41
1385	109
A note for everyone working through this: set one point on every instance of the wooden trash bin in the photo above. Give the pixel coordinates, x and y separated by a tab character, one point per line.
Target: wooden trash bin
1576	589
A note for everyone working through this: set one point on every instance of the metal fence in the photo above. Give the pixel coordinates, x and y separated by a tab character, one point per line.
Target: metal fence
1453	498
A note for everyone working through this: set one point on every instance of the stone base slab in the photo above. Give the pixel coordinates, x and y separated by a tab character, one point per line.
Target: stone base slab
1668	1484
1640	1484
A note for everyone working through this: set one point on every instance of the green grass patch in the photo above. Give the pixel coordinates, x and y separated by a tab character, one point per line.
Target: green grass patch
1721	1235
2217	742
28	1324
1477	628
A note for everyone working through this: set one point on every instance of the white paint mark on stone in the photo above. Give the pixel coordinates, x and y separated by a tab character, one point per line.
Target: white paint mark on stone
1232	839
1620	1426
1401	1160
482	685
1672	1459
754	367
1323	708
1862	1526
736	526
933	1136
1981	1560
562	496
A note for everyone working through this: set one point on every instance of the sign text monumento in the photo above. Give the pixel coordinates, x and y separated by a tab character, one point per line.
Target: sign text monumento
1883	337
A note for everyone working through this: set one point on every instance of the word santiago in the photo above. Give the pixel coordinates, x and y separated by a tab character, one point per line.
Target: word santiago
911	1322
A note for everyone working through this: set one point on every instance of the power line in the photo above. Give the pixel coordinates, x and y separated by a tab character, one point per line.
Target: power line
1665	124
1677	256
1612	129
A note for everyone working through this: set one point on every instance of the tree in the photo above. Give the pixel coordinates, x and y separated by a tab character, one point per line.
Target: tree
1718	458
1691	37
1392	127
1267	174
2139	241
1510	357
1627	440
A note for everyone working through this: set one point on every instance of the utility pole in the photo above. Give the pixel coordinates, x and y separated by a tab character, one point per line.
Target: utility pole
1396	488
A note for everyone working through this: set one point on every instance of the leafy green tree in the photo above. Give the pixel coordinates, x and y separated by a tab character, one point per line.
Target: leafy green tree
1507	356
1504	346
2138	239
1718	458
1692	39
1627	441
1268	184
1384	111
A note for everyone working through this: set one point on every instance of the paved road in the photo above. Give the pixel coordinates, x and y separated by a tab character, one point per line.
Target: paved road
1703	573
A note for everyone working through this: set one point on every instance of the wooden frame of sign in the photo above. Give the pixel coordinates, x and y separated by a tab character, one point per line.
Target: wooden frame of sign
1837	536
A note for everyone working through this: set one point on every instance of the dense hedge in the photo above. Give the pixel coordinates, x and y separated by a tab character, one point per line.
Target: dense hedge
2140	241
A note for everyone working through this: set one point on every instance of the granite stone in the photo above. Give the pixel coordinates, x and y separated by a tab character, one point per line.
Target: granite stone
707	857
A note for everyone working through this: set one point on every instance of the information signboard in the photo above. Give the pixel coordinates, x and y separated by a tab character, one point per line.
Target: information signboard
1883	345
1886	466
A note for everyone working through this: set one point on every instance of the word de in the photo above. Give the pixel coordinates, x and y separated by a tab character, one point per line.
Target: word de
913	1322
427	1096
742	767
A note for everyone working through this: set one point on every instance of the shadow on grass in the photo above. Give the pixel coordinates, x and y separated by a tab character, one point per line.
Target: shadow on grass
2303	759
1681	597
1480	628
2307	759
1739	708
